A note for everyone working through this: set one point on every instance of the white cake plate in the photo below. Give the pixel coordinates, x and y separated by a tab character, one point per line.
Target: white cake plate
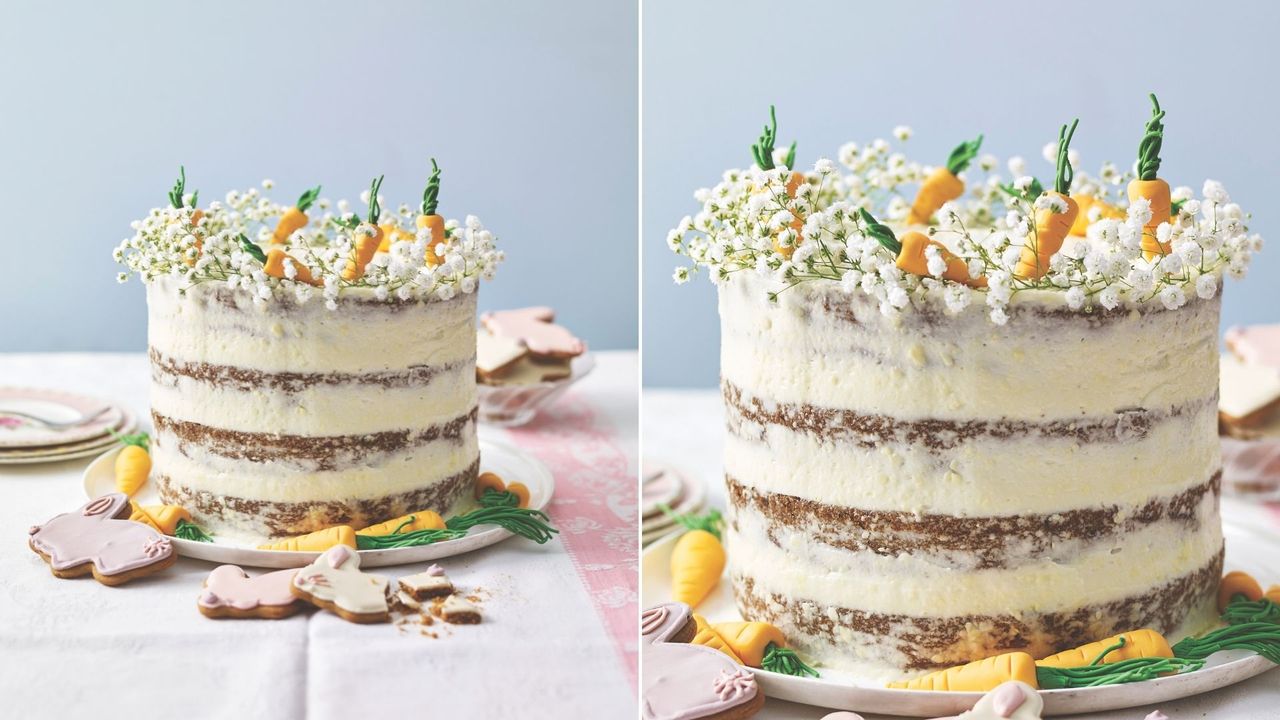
844	691
512	464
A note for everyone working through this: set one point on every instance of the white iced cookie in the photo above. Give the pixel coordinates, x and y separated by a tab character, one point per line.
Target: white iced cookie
1248	394
496	355
334	582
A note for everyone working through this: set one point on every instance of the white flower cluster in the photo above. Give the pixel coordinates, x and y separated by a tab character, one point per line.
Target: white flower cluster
751	222
168	242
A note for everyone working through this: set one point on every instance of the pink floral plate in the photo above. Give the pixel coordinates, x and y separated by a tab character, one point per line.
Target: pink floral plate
56	405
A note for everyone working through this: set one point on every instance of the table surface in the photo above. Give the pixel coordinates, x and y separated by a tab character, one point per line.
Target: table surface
684	429
558	638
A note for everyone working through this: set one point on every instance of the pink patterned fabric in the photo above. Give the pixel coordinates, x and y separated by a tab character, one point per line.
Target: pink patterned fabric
596	509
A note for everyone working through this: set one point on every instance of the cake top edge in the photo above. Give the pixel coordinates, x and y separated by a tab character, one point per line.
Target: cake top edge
274	250
969	235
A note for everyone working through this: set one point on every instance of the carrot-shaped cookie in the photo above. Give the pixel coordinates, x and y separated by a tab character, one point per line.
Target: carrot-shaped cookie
317	541
943	185
295	218
698	558
1148	185
1055	214
367	235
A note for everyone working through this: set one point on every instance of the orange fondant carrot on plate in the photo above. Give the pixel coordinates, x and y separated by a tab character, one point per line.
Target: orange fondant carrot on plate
1237	583
413	522
943	185
698	558
318	541
708	636
977	676
1132	644
1056	213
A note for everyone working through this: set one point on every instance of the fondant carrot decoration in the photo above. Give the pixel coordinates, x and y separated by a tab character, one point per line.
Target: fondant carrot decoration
1052	225
133	464
762	151
1273	594
1149	186
986	674
274	266
977	676
491	491
429	218
526	522
421	520
762	645
911	255
368	236
698	558
1086	204
708	636
164	518
318	541
1237	584
1243	610
1133	644
942	185
295	218
177	199
487	481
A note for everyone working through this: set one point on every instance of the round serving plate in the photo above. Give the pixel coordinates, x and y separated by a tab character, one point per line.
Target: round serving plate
57	406
512	464
844	691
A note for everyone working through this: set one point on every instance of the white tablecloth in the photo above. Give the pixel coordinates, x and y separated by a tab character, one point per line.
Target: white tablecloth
685	429
143	651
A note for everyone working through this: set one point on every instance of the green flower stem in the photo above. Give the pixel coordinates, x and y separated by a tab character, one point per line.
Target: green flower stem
785	661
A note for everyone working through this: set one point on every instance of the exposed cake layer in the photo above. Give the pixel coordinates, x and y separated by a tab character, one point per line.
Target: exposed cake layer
1042	468
924	489
293	417
818	343
255	518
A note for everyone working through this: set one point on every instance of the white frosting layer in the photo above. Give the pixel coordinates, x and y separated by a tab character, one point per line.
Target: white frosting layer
965	366
979	477
216	325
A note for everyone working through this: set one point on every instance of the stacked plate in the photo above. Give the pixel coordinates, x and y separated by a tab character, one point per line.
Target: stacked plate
663	485
77	425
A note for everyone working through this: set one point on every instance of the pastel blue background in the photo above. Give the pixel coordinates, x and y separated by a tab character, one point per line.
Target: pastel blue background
841	71
531	109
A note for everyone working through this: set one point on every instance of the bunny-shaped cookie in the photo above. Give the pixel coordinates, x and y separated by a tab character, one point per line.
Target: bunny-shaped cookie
98	538
688	682
334	582
534	328
230	593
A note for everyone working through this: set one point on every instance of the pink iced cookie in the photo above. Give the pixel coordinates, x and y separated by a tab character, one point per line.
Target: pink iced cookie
690	682
534	328
1011	700
230	593
100	539
1256	345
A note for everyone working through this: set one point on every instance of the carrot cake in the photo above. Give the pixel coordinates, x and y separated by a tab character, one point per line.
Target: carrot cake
310	371
979	419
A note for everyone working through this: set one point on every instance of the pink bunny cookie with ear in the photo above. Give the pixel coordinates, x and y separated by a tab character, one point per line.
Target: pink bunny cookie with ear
334	582
1010	700
690	682
230	593
100	539
534	328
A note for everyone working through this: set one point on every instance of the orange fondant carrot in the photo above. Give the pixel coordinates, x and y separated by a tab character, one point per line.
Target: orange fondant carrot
1149	186
1052	226
943	185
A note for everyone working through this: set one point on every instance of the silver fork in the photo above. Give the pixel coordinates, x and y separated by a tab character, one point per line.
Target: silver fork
59	425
